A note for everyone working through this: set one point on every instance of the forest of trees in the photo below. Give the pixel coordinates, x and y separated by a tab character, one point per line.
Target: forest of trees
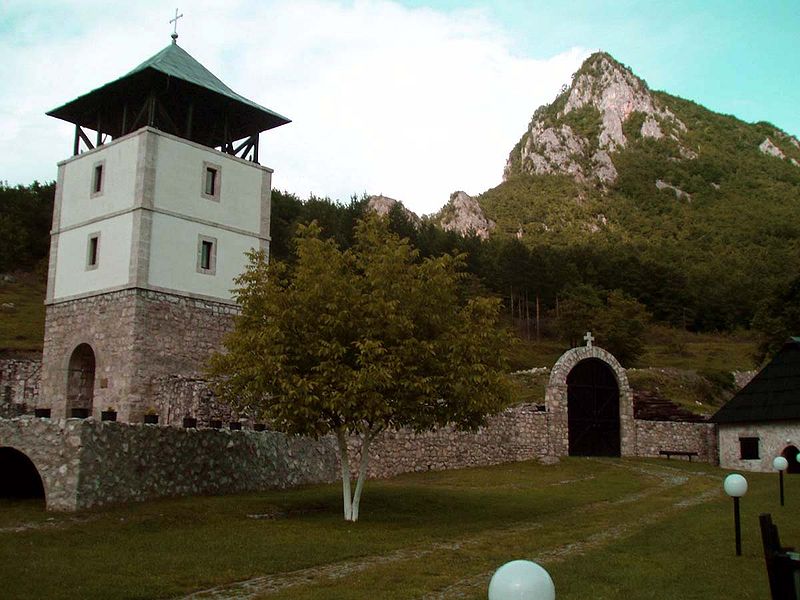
612	282
625	281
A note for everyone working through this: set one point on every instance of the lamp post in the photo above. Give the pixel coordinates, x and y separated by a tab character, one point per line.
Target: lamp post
736	486
780	464
521	580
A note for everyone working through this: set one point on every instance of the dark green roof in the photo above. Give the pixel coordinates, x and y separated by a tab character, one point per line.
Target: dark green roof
178	81
772	395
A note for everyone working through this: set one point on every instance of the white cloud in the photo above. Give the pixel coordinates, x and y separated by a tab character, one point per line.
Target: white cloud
411	103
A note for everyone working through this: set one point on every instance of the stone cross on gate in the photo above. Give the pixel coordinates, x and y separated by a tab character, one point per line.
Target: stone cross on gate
175	27
589	339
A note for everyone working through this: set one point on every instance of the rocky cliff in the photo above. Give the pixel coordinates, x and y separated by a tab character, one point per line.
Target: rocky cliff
464	215
604	108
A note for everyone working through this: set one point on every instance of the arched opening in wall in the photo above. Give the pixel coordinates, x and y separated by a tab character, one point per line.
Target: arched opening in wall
80	380
19	478
790	454
593	409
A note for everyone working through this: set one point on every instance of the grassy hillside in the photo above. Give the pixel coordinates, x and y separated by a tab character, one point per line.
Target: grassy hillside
22	313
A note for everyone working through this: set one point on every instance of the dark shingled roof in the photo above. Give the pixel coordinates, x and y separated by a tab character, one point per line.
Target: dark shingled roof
772	395
178	80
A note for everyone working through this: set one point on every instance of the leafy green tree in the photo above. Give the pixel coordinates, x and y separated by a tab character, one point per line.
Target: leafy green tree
617	321
26	214
353	342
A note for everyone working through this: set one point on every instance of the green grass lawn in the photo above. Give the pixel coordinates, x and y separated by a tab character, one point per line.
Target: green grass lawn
604	528
22	327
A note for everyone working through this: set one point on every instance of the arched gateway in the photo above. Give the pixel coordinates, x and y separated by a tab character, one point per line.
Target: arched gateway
590	404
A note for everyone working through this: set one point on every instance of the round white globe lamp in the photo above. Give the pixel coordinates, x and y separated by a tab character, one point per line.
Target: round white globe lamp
736	486
780	464
521	580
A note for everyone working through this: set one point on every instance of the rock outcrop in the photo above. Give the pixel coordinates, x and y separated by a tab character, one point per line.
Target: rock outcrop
383	205
578	134
767	147
679	193
463	215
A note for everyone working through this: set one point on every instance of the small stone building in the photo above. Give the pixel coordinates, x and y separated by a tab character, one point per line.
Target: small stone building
153	216
762	420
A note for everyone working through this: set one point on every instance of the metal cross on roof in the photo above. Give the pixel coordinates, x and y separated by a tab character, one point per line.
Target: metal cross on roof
589	339
175	26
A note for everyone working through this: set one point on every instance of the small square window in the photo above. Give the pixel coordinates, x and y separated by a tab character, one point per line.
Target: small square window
748	448
206	255
98	177
212	181
93	251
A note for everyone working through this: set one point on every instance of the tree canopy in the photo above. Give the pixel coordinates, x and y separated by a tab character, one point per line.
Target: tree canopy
356	341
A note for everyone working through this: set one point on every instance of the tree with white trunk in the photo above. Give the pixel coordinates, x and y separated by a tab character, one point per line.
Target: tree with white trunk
354	342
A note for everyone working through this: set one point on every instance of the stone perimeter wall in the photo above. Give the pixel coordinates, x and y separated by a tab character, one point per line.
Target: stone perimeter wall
86	463
19	386
654	436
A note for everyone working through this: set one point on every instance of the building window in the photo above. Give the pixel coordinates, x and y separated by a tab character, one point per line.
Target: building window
212	181
98	177
206	255
748	448
93	251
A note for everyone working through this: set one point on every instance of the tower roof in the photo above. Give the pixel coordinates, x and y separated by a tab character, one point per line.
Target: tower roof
191	102
772	395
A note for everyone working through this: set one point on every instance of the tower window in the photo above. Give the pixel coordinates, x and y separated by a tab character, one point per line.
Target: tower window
98	173
212	181
93	251
748	448
206	255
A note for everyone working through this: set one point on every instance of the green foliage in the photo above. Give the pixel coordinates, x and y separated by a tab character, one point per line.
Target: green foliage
359	340
586	121
26	213
336	219
364	338
778	319
615	319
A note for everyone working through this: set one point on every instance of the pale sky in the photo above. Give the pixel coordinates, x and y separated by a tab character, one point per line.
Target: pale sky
409	99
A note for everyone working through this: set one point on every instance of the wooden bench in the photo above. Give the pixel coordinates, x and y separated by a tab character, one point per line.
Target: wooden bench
783	565
670	453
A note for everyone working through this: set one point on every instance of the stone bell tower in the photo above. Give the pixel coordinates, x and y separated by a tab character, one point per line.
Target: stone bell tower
153	215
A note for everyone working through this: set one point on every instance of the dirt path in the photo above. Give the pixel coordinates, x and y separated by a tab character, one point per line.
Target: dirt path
668	477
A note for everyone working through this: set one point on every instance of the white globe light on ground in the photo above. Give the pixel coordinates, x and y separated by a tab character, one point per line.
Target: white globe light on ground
521	580
780	463
735	485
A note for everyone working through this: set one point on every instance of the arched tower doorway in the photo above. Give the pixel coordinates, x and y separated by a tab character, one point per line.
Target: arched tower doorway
790	454
80	379
590	404
593	409
18	476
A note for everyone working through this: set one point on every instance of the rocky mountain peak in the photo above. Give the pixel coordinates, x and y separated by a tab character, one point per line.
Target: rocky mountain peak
463	215
383	205
578	133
